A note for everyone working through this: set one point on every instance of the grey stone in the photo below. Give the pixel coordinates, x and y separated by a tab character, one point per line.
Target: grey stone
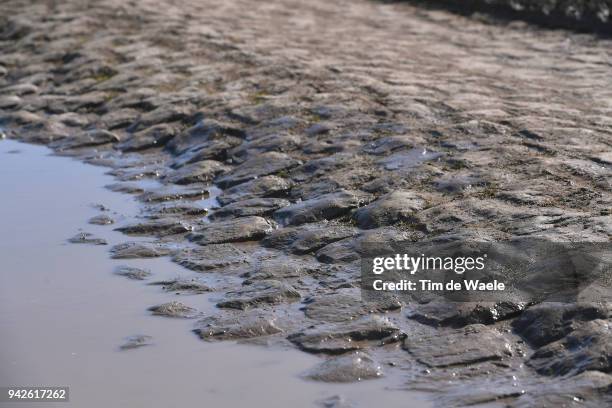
130	250
586	389
338	252
345	306
20	89
74	119
322	166
347	336
203	132
138	172
125	187
102	219
588	347
182	286
457	183
174	309
356	366
132	272
267	186
176	209
280	267
318	129
265	292
335	401
199	172
470	345
173	193
305	191
387	145
350	249
307	238
237	230
391	209
450	314
91	138
119	118
247	325
408	160
550	322
262	165
253	206
161	115
155	136
25	119
160	228
10	102
215	149
87	238
134	342
212	256
325	207
274	142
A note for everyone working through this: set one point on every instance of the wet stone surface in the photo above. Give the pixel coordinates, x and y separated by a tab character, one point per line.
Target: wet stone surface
174	309
345	305
264	292
587	347
262	165
253	206
134	342
318	156
169	193
234	327
183	286
390	209
307	238
347	336
268	186
175	209
325	207
209	257
132	272
128	188
352	367
199	172
153	136
472	344
240	229
335	401
158	228
87	238
463	314
139	250
102	219
92	138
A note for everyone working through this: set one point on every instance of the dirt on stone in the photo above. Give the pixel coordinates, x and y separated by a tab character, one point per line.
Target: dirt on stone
328	124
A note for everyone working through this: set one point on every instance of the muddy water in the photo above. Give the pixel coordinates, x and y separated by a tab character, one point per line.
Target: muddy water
64	314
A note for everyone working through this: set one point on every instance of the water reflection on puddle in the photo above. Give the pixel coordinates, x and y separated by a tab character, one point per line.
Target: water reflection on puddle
64	314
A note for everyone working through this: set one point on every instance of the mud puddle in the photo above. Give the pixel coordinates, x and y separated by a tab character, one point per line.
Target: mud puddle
64	314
